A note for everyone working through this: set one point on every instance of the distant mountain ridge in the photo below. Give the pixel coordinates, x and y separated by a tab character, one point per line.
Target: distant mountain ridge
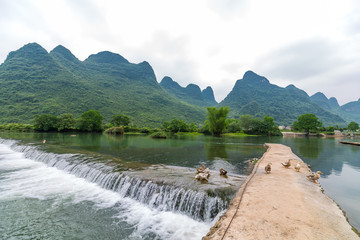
34	81
255	95
349	111
328	104
191	93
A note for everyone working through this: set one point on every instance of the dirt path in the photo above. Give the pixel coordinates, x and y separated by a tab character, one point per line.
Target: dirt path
281	205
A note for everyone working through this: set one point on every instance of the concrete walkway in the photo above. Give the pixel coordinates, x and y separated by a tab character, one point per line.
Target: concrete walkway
281	205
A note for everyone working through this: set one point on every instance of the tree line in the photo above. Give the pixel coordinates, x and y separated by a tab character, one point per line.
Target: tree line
310	123
89	121
216	123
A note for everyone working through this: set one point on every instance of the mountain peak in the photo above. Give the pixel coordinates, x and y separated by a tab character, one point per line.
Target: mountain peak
333	102
319	96
31	56
168	82
291	86
283	104
253	77
193	87
32	47
29	51
208	95
62	52
106	57
145	70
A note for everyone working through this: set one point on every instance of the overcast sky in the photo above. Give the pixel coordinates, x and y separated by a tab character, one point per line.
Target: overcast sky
313	44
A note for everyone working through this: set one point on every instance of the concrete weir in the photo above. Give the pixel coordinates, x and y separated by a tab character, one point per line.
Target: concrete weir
281	205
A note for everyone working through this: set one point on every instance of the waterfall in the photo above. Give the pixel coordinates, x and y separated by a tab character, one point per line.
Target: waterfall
196	204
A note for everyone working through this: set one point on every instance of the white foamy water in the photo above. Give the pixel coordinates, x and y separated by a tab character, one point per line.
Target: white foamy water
22	178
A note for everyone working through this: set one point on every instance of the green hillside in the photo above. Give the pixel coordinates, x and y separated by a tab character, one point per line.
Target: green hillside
34	81
191	93
255	95
349	111
328	104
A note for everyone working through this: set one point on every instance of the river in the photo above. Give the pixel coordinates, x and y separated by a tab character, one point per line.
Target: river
96	186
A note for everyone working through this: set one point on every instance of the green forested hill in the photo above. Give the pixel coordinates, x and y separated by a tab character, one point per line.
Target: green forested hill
256	96
34	81
191	93
349	111
328	104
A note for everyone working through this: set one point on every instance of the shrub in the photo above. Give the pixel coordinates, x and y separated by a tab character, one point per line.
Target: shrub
158	135
115	130
145	130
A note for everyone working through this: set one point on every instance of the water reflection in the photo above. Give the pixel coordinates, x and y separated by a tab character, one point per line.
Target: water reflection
216	149
327	155
307	147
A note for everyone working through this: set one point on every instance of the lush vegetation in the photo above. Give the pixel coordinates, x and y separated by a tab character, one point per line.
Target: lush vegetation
349	111
176	125
158	135
257	126
353	126
91	121
256	96
115	130
120	120
217	124
35	82
216	119
17	127
57	88
190	94
307	122
45	122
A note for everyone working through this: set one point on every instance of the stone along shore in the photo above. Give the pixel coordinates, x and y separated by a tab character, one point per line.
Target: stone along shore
281	205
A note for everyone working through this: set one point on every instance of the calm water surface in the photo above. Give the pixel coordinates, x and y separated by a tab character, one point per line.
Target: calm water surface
70	187
340	164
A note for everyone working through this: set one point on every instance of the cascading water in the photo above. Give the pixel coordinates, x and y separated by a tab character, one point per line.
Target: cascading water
196	204
42	202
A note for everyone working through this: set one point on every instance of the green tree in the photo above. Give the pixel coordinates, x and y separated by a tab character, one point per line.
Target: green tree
233	126
216	119
192	127
66	122
91	121
307	122
246	122
165	126
45	122
330	129
120	120
269	127
177	125
256	126
353	126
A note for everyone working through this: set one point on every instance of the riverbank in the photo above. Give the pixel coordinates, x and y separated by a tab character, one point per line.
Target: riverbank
281	205
351	143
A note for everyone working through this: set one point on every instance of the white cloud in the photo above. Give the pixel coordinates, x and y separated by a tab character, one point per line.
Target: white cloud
206	42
